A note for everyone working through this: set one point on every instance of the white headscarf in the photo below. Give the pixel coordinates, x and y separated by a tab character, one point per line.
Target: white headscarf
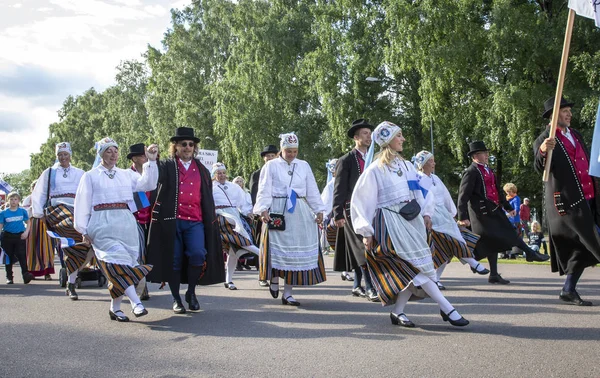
63	147
421	158
289	140
385	132
217	167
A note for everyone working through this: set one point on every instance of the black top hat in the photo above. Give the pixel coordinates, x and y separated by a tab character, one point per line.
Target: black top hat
136	149
359	124
184	133
270	149
476	146
549	105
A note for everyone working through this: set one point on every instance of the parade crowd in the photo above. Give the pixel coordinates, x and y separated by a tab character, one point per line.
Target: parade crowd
389	218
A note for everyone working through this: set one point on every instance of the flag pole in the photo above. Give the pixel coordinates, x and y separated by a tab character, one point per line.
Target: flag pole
559	87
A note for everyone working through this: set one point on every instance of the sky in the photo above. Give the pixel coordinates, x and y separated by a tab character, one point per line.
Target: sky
50	49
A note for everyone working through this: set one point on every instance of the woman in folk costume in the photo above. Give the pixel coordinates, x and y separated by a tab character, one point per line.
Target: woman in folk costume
107	224
445	238
287	186
236	235
40	250
52	200
388	209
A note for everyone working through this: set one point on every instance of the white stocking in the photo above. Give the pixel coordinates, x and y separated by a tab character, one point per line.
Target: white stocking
440	270
401	301
231	264
472	262
287	290
133	297
73	277
432	290
115	304
251	249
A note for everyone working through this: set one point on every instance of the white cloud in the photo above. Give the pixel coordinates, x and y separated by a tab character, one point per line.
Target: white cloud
17	5
155	10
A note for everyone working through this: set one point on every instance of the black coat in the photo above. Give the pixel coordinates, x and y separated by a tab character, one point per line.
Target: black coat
574	240
254	178
161	238
349	249
488	220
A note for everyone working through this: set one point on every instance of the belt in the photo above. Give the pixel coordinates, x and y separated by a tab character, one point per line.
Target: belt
110	206
66	195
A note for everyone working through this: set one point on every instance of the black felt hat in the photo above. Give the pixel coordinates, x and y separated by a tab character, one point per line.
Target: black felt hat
476	146
136	149
270	149
359	124
184	133
549	105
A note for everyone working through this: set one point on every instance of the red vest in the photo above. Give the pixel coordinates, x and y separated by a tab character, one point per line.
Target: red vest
189	197
489	179
580	163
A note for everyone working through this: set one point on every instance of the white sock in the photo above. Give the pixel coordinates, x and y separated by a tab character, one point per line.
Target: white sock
231	265
432	290
440	270
251	249
139	289
73	277
473	263
115	304
287	290
133	298
401	301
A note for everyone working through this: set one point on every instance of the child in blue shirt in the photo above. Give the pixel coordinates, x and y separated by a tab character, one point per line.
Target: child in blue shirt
12	221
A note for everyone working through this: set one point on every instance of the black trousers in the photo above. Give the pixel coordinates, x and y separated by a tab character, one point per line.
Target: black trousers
14	248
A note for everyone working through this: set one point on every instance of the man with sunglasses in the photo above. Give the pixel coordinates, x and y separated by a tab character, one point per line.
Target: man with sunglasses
184	244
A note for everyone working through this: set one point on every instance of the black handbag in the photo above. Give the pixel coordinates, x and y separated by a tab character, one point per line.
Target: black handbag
277	222
411	210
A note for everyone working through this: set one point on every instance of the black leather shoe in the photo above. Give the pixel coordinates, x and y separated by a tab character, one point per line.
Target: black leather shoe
289	301
347	277
263	283
573	298
274	293
192	301
397	320
359	292
139	313
71	292
498	280
178	307
118	316
536	256
440	286
482	272
27	278
9	281
458	323
230	286
372	295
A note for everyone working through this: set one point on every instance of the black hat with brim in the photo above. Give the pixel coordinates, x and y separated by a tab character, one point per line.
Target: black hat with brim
476	146
359	124
549	105
184	133
136	150
270	149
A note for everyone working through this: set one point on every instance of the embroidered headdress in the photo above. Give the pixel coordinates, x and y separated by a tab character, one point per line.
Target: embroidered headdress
289	140
63	147
385	132
421	158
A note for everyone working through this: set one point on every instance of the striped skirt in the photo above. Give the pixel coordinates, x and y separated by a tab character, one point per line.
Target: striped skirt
390	273
120	277
59	219
444	247
40	249
331	232
230	238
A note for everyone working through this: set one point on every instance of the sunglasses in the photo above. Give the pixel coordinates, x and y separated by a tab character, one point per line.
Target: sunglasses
186	144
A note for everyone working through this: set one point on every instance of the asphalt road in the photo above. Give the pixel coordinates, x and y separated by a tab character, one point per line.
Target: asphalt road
518	330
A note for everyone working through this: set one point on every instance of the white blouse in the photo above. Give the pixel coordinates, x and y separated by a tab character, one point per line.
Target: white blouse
230	194
97	188
275	180
327	196
62	185
380	187
441	194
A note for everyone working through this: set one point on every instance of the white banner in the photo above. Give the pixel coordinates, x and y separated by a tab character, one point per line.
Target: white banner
587	8
208	158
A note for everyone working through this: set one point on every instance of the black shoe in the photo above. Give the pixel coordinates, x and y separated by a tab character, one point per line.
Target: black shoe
230	286
263	283
289	301
347	277
458	323
397	320
144	297
71	292
138	314
573	298
482	272
440	286
359	292
247	266
48	277
372	295
498	280
118	316
239	267
28	277
274	293
9	281
536	256
178	307
192	301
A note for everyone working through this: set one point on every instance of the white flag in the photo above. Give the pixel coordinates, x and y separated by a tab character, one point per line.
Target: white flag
587	8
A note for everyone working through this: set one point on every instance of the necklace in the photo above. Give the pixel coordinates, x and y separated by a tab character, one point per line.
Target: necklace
398	171
110	173
65	171
223	186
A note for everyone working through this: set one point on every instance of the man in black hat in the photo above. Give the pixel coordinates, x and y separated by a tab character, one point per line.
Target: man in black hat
480	206
572	212
184	240
268	153
349	248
